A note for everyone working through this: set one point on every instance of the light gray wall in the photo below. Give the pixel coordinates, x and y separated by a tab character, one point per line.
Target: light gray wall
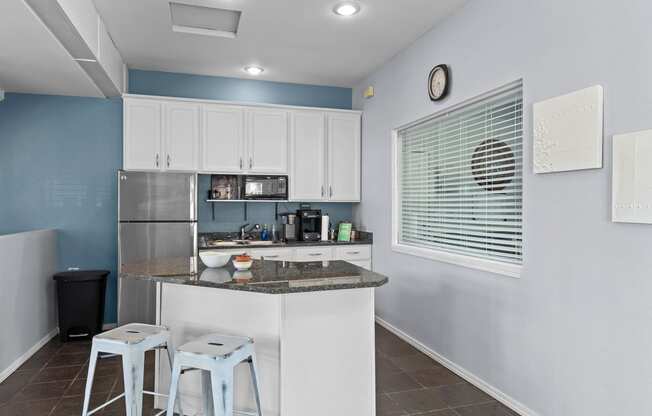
573	336
27	294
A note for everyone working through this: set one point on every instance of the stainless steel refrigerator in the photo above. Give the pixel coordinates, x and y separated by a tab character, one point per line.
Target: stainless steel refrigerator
157	218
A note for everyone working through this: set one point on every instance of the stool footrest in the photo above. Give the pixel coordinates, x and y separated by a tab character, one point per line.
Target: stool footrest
102	406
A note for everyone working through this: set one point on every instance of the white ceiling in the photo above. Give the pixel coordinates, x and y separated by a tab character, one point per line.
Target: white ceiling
32	60
298	41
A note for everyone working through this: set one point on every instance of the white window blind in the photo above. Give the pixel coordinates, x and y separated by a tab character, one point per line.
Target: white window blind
460	179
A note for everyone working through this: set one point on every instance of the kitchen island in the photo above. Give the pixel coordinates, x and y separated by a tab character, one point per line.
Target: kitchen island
312	323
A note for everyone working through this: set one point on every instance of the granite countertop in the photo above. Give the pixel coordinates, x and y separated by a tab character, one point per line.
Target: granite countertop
265	276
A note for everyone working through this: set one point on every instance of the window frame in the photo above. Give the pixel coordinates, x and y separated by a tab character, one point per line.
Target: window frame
488	265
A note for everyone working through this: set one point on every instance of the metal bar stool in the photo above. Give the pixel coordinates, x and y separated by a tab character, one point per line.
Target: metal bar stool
130	341
217	356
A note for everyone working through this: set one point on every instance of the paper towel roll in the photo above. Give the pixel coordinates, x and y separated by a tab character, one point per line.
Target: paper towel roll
325	222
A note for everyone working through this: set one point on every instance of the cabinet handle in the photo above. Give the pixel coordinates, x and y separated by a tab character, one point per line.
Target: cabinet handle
315	254
240	163
352	252
270	257
157	159
322	191
330	190
168	161
251	163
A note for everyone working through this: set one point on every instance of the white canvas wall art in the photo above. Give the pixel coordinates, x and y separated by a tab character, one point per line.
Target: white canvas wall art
632	177
568	131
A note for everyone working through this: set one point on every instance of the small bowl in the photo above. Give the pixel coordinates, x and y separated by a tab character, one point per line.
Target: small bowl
214	258
242	265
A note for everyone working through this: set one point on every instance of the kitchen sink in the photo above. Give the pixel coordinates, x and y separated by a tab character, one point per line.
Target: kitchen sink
236	243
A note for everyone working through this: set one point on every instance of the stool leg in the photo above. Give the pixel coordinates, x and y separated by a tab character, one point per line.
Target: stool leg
133	368
174	387
170	349
207	393
89	379
227	380
217	382
253	367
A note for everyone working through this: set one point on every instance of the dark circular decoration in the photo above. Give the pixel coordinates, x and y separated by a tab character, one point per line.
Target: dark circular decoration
438	82
493	165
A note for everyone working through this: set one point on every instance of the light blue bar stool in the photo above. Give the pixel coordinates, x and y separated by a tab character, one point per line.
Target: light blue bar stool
217	356
130	341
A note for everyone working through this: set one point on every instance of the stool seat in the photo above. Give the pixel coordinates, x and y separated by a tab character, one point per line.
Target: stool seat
131	333
215	345
216	356
129	341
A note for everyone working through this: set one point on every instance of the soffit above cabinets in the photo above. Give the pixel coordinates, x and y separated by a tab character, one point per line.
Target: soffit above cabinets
82	33
33	60
299	41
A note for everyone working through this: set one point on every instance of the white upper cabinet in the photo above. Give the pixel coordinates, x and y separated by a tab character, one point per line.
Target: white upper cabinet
267	144
142	134
308	156
343	157
222	141
318	149
181	135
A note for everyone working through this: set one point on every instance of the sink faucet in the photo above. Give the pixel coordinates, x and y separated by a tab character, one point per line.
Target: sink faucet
243	231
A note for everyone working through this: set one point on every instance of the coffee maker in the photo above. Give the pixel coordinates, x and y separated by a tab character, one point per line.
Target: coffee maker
309	224
289	230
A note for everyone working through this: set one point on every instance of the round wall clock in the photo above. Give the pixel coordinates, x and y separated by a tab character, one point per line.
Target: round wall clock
438	82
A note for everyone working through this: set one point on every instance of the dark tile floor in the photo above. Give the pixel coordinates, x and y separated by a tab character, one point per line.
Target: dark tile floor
52	382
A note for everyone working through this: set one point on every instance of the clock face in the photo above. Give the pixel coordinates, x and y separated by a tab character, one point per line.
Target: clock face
438	82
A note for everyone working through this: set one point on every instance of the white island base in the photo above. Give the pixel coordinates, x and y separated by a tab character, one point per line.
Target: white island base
315	350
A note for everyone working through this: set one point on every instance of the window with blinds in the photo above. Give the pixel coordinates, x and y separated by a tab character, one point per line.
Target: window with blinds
459	179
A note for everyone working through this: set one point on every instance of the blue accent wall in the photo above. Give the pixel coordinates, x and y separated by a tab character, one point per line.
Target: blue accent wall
236	89
59	156
229	216
58	162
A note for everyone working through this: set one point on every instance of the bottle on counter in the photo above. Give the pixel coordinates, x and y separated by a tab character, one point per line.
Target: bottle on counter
324	227
264	235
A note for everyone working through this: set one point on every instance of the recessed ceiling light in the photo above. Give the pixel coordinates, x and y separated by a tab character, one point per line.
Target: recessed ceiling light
253	70
347	8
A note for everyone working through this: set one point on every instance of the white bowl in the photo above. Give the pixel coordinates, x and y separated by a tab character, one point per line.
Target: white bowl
242	265
214	258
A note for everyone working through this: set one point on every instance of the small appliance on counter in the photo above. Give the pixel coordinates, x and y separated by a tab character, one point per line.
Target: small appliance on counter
289	230
309	224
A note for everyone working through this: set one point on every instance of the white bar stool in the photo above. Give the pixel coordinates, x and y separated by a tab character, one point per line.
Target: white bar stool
130	341
217	356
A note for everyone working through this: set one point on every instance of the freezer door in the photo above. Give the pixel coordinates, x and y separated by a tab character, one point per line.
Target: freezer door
150	196
142	242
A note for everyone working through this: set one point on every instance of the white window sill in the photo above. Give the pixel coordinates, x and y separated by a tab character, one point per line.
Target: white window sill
505	269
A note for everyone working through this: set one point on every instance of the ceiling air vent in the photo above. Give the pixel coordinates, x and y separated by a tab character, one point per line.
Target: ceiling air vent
200	20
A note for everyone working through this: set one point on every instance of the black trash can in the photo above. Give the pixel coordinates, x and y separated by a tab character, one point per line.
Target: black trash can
81	303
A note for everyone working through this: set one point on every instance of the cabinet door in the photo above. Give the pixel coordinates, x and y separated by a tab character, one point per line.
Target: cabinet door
305	254
268	141
308	156
142	135
344	157
181	136
222	138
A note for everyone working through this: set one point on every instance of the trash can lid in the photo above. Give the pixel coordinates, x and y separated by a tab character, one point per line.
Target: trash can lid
81	275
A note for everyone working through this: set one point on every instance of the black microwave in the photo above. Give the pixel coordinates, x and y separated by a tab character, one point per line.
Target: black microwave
256	187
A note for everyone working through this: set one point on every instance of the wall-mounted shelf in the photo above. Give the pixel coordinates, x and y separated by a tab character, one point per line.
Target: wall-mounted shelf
247	200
